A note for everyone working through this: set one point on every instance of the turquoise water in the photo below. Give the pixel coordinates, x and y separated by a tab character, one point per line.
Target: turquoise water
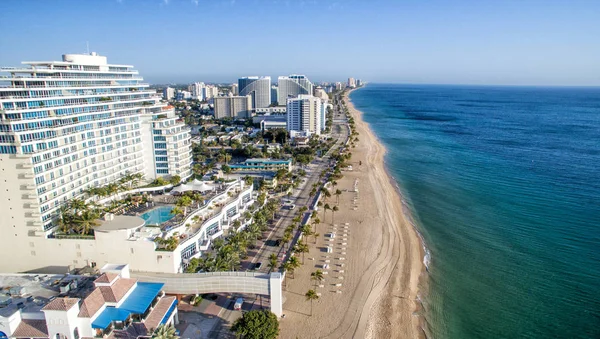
158	215
504	186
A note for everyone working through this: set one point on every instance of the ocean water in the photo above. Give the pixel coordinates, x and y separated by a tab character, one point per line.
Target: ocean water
504	185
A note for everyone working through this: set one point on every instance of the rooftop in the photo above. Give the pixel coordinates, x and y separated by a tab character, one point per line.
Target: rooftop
120	222
106	278
30	328
271	161
61	304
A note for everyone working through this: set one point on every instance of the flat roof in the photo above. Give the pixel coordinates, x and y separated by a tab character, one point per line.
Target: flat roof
120	222
271	161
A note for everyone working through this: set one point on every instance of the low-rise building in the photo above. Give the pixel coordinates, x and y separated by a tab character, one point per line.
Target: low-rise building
261	164
117	307
127	238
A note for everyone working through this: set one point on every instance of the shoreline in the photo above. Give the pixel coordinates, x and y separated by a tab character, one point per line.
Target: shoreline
372	269
423	257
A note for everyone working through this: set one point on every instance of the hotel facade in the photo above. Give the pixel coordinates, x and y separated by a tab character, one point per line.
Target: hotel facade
70	125
305	114
259	88
292	86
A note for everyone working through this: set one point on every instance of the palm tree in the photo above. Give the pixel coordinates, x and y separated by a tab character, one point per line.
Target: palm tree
327	195
311	296
236	224
78	205
315	222
306	230
112	189
272	261
177	211
165	332
287	236
301	248
315	235
337	195
184	202
317	276
333	210
85	221
294	262
287	267
325	208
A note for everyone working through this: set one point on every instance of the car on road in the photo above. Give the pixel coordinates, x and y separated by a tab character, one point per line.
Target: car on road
238	304
258	265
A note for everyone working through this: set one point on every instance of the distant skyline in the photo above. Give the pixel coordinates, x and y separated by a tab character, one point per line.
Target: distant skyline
405	41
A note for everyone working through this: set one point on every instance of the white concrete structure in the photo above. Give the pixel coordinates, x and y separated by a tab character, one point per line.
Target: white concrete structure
197	90
339	86
222	282
304	114
170	138
210	91
169	93
292	86
235	89
127	239
66	126
319	92
259	88
117	307
235	107
69	125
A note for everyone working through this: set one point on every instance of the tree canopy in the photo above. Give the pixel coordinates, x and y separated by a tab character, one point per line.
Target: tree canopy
256	324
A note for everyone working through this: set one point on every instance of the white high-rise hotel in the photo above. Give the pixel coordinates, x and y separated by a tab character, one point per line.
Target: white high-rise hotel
69	125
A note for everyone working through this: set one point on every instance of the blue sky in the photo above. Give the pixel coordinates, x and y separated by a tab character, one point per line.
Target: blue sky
525	42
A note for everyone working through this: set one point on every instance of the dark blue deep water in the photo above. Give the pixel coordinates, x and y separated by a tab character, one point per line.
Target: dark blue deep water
504	185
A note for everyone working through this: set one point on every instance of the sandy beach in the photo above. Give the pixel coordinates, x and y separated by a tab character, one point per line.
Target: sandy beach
372	273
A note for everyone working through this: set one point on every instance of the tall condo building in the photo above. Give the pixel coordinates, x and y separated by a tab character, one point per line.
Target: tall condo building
197	90
351	83
304	114
210	91
169	93
235	107
293	86
259	88
69	125
235	89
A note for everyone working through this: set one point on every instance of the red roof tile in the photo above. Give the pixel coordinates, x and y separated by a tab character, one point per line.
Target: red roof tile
29	328
103	294
106	278
61	304
158	313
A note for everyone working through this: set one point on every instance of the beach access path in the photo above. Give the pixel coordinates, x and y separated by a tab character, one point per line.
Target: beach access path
370	286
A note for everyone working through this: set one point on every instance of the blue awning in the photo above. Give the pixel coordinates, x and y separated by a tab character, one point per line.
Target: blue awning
142	296
109	315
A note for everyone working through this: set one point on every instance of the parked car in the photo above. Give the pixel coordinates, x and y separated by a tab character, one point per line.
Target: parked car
258	265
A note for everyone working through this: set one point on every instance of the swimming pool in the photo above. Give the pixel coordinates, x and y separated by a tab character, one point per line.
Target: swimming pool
158	215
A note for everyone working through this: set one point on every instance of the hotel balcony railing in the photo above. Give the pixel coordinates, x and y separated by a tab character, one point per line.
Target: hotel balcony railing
64	95
144	84
83	104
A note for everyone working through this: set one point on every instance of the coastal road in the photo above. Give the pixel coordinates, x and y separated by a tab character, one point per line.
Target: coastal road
300	197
